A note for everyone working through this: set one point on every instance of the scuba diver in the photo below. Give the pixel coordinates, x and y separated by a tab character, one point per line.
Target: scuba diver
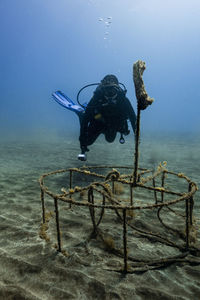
106	113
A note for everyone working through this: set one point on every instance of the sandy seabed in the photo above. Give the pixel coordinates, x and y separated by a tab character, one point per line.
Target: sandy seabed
31	267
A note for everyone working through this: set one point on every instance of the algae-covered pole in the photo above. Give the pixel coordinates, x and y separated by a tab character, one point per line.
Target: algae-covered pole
137	136
143	100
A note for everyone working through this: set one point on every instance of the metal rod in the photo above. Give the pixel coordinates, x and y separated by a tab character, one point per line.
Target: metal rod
131	194
70	179
155	193
57	224
191	204
137	136
187	222
138	176
162	184
113	186
43	207
92	212
125	240
102	211
70	185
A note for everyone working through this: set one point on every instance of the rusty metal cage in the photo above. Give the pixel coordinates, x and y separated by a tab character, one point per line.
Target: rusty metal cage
101	196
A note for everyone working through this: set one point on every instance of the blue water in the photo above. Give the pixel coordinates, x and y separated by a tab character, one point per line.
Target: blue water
46	46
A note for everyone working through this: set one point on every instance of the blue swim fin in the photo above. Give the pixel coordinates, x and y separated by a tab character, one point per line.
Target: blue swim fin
66	102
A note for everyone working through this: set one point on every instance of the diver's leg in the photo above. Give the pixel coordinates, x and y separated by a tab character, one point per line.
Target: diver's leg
94	130
92	135
123	128
110	135
80	115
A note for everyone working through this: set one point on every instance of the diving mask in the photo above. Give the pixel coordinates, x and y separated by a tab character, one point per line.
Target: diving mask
110	91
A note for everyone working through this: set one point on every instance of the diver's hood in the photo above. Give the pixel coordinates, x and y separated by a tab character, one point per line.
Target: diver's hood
110	80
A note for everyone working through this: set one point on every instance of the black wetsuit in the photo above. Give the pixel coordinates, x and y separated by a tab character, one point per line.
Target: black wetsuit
107	117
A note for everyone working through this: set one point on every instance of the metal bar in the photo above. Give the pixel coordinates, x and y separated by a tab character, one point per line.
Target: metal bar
155	194
158	190
125	240
102	211
43	207
191	204
70	179
57	224
91	209
137	136
131	194
162	184
70	185
113	186
187	223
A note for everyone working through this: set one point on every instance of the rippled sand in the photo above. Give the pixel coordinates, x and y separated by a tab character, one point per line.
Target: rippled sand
31	268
